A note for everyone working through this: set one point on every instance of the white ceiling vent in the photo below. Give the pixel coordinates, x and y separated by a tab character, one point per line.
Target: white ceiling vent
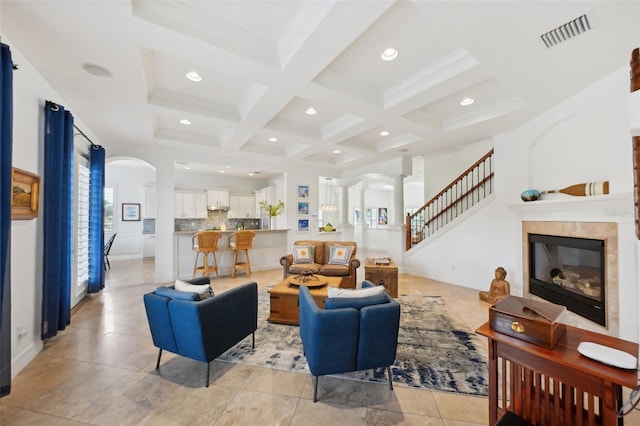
566	31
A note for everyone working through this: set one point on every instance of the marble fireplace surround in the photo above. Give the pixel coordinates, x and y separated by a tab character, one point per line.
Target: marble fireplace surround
609	218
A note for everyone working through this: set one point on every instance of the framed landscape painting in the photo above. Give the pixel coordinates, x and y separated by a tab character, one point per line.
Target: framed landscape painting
130	211
25	194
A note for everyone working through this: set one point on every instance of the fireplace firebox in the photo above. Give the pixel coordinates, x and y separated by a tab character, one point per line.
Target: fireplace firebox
570	272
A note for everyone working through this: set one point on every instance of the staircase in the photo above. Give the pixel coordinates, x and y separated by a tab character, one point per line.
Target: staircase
463	193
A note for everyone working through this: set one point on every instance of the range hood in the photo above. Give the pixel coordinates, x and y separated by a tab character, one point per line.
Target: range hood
217	208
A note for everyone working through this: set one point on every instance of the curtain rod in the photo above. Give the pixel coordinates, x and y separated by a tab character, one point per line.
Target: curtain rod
93	145
85	136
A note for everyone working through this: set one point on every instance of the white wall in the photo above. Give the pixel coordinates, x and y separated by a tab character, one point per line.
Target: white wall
30	92
583	139
440	171
203	181
128	182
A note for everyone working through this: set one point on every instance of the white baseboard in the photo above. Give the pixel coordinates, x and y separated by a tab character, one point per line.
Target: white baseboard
25	357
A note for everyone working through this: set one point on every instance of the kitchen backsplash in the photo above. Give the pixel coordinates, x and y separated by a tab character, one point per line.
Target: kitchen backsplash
214	221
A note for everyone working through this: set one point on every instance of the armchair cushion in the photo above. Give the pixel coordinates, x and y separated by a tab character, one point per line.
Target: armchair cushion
350	293
340	255
171	293
354	302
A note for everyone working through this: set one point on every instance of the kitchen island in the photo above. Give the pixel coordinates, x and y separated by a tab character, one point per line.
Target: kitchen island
268	246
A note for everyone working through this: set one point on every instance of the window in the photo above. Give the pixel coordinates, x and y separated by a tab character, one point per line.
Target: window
109	220
83	225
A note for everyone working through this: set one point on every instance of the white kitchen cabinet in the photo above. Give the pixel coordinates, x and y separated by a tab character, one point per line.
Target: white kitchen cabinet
242	206
218	198
263	195
201	205
190	205
150	202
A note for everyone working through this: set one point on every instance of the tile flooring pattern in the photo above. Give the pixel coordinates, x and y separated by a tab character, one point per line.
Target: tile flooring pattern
101	371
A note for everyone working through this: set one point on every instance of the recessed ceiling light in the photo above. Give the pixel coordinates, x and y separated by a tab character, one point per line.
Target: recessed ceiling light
389	54
221	171
187	168
336	151
272	139
194	76
467	101
185	122
310	111
384	133
96	70
250	174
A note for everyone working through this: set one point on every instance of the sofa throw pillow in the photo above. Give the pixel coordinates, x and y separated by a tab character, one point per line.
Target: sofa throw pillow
204	290
340	255
361	292
354	302
303	254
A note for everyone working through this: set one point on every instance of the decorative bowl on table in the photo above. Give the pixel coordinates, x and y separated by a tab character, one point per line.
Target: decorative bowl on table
308	278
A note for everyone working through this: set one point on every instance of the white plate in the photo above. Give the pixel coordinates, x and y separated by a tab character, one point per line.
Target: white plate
607	355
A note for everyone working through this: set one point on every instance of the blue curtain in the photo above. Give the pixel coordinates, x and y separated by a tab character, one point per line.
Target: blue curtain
57	219
6	148
96	219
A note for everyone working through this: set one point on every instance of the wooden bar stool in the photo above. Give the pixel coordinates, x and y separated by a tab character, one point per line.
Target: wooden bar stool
206	242
241	241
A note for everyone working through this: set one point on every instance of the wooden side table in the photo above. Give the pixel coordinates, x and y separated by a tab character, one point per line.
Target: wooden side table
556	386
386	275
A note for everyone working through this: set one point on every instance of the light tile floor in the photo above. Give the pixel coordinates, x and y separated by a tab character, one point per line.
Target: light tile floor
101	371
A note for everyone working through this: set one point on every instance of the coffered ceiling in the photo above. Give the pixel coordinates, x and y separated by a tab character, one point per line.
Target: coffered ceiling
264	63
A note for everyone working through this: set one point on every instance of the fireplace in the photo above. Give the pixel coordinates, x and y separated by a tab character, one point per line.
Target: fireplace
569	271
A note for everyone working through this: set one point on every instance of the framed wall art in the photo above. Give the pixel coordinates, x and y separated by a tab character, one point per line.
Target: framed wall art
382	216
25	194
130	212
303	191
303	224
303	207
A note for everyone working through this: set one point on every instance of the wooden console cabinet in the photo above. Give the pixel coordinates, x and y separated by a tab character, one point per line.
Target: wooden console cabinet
386	275
556	386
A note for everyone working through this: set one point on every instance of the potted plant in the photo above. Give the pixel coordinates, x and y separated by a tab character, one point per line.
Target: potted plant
272	210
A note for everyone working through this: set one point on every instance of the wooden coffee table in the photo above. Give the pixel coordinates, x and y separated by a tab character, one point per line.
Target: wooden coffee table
283	298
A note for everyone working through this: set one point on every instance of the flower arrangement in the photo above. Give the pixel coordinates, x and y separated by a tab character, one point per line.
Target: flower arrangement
273	210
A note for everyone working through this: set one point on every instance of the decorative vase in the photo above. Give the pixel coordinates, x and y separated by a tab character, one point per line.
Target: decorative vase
273	222
530	195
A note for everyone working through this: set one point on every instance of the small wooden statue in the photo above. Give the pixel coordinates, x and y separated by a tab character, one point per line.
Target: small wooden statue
499	288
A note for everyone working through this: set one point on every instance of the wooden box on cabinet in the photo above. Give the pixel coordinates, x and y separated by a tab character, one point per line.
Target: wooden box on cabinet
534	321
386	275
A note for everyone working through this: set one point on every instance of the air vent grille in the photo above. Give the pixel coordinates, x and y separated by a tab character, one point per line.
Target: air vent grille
566	31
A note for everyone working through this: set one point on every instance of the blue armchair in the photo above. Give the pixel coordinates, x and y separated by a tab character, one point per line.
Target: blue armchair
201	329
348	339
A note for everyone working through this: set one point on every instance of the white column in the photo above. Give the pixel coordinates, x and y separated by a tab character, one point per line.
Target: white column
165	187
344	207
398	201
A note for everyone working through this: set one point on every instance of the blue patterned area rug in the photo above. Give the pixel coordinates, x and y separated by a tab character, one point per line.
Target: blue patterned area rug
433	352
